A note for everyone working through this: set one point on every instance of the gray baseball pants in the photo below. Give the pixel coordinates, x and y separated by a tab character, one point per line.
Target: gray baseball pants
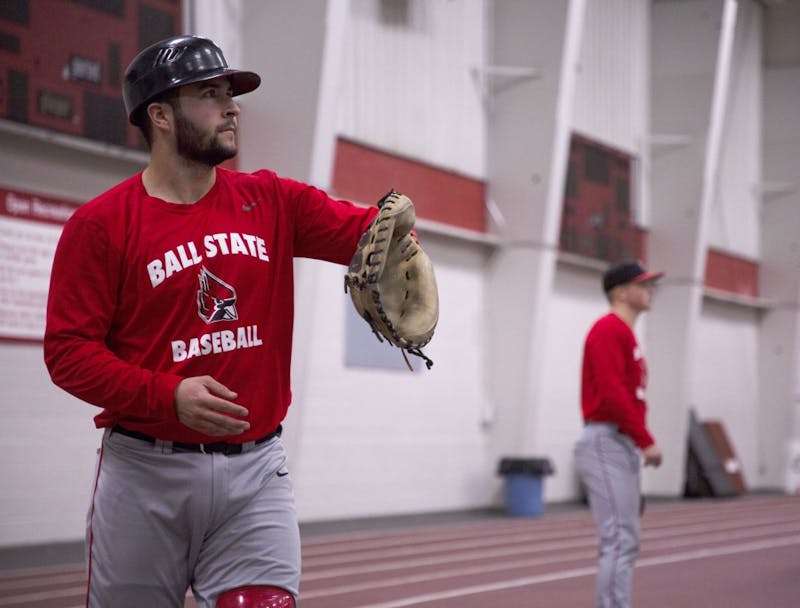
609	465
163	521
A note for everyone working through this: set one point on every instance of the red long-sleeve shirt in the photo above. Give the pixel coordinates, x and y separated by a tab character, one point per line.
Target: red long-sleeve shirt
144	293
614	379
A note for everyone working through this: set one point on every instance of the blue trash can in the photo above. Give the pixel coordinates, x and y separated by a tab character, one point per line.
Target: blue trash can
524	484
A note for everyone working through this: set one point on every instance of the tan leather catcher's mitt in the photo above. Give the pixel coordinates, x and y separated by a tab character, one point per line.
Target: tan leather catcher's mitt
391	280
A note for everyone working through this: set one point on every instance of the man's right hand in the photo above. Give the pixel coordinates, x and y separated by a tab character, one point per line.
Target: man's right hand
652	455
204	405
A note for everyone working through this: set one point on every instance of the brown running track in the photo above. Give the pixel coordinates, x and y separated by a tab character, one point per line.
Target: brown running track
731	553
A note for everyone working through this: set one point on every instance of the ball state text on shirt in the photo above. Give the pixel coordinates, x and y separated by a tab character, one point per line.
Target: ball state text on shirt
221	243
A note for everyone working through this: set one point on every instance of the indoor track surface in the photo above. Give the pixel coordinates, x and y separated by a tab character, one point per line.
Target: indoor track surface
732	553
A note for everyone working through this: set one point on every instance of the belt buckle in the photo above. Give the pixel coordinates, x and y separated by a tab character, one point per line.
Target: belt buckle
202	448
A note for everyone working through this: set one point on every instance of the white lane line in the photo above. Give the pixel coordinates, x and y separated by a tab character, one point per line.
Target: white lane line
391	560
478	589
521	561
375	567
451	573
579	572
415	546
412	537
670	542
334	543
423	548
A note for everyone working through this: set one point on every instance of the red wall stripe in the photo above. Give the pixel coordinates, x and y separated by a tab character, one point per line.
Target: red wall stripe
731	273
365	174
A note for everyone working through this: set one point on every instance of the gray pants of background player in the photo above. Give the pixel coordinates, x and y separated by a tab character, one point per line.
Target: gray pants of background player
163	521
609	465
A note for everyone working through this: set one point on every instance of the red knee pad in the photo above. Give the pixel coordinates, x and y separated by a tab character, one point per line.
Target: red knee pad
257	596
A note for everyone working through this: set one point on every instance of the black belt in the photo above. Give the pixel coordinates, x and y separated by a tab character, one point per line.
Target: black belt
218	447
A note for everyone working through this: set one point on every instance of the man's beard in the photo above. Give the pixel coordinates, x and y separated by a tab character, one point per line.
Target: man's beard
197	146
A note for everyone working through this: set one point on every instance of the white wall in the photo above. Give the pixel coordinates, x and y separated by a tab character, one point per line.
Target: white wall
726	387
779	413
373	441
414	62
611	89
49	443
47	437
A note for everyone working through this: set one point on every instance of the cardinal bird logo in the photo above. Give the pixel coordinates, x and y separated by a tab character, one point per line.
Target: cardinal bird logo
216	300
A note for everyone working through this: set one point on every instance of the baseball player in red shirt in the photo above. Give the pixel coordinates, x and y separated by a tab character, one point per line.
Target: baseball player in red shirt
615	439
171	309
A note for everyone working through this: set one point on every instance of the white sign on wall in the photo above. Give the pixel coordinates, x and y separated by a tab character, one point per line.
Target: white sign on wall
30	226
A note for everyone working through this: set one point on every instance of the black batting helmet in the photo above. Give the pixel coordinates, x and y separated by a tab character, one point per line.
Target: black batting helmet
172	63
